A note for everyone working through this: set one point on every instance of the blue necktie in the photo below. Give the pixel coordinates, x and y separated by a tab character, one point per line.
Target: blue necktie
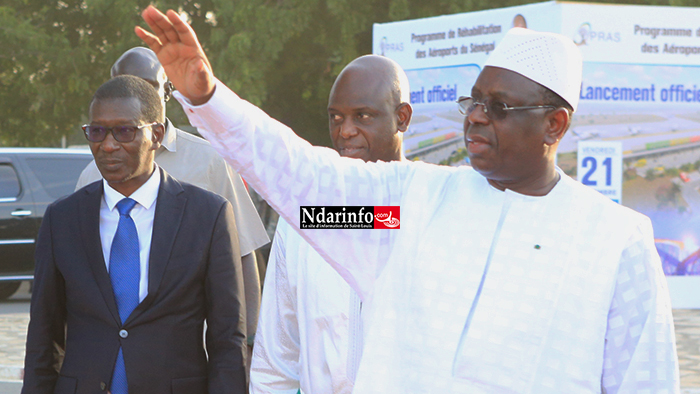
124	272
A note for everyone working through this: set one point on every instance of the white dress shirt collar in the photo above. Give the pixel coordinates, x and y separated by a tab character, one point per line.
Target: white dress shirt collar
169	142
145	195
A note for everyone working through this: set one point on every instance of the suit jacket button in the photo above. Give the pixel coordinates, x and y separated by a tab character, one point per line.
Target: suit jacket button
103	386
123	333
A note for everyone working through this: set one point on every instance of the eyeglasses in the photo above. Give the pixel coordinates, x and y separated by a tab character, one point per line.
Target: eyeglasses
494	110
120	133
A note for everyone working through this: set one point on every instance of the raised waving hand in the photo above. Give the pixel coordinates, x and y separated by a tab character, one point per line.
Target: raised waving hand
179	51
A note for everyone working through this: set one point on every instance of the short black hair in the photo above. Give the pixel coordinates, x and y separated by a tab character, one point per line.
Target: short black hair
551	98
128	86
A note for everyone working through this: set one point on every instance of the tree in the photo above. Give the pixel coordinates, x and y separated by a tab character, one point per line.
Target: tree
60	52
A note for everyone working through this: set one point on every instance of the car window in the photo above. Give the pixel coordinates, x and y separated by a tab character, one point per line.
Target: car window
9	183
57	175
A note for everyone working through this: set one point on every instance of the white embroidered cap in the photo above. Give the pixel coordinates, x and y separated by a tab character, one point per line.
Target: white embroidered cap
550	59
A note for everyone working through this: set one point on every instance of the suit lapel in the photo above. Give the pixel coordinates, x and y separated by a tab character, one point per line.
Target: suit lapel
90	233
170	207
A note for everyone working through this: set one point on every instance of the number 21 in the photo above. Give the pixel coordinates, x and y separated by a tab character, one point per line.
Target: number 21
607	163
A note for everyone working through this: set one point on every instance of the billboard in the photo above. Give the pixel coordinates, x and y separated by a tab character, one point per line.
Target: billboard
641	90
641	87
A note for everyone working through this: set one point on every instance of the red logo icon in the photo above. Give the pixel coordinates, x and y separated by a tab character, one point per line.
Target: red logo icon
387	217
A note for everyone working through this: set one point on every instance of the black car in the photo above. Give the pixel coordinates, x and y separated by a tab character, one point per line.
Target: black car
30	179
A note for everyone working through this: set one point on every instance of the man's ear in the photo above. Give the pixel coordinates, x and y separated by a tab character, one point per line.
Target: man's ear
168	91
556	124
404	112
157	133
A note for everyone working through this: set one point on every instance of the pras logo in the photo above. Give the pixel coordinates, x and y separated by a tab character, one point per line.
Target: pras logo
585	35
386	46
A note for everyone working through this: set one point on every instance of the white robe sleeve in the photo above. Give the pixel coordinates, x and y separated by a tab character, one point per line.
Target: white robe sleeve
288	172
640	345
275	366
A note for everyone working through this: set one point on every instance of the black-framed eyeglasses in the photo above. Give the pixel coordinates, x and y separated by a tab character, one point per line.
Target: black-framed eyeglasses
494	110
120	133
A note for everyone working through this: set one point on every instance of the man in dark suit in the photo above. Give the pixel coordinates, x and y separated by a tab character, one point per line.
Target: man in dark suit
129	268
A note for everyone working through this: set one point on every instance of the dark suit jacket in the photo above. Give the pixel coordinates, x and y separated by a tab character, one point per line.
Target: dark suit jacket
194	275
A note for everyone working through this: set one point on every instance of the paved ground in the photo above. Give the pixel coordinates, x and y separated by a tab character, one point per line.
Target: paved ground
14	317
688	343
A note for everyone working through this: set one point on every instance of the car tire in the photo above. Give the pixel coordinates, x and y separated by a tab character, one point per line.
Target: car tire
8	288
